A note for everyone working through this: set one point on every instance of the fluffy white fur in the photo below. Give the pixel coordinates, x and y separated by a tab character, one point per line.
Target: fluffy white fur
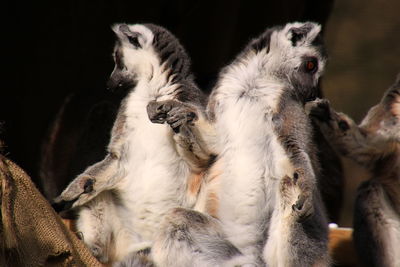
253	161
147	174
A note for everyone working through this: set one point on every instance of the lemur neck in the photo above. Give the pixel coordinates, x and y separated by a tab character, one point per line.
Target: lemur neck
157	84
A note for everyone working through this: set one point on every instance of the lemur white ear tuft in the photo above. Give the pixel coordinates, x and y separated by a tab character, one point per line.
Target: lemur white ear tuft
125	32
301	33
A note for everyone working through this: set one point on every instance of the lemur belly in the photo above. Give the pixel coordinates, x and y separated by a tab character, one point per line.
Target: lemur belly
253	163
155	185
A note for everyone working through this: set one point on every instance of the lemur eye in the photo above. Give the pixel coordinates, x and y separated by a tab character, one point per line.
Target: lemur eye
311	65
134	40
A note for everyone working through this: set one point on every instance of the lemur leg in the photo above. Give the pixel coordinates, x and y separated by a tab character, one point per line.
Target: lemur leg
376	227
193	132
95	179
297	233
190	238
96	223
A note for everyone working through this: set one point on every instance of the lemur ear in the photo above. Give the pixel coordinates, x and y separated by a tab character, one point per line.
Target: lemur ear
135	38
305	32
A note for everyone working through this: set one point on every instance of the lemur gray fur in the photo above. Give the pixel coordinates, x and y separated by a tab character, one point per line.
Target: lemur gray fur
374	144
262	186
150	167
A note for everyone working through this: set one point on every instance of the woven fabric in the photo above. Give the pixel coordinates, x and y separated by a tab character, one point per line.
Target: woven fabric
31	233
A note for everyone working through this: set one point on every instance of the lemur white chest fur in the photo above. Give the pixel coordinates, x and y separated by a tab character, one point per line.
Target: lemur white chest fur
253	159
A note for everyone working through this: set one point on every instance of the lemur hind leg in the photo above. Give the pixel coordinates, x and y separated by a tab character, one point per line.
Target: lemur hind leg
191	238
297	236
94	180
193	132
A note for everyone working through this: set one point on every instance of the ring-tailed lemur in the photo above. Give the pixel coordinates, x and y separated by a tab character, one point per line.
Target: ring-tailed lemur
374	144
150	168
262	186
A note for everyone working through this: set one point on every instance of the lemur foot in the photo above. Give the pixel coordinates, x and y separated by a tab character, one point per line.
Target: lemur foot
77	193
296	193
173	112
98	253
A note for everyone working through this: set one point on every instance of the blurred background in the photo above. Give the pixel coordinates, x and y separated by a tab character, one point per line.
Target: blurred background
60	52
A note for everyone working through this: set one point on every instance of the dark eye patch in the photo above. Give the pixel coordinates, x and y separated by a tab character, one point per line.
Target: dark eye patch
135	41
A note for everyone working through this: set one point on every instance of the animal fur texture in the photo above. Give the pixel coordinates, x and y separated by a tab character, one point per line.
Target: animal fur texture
151	166
374	144
262	186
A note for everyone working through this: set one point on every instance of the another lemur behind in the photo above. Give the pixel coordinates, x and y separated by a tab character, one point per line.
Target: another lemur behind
150	168
262	186
374	144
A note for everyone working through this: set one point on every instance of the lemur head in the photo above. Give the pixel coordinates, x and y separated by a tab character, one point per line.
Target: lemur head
382	122
146	51
295	55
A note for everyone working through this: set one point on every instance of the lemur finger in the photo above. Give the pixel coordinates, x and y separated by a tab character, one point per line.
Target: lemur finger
303	207
157	110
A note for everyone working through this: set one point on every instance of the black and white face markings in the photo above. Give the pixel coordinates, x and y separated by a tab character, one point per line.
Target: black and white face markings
150	168
374	144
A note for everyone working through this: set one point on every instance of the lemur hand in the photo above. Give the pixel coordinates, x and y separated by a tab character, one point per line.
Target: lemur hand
173	112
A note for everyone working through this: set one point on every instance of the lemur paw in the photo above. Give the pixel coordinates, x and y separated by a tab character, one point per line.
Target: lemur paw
173	112
98	253
319	109
77	193
297	196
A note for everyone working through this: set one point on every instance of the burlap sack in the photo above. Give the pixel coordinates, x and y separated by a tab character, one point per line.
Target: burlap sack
31	233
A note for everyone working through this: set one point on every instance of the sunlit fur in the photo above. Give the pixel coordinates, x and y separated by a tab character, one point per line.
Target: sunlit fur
262	187
258	111
143	176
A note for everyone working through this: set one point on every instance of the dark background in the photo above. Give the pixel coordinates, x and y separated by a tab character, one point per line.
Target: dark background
55	49
62	47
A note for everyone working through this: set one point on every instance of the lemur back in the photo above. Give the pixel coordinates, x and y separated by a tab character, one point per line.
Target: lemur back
148	169
374	144
262	186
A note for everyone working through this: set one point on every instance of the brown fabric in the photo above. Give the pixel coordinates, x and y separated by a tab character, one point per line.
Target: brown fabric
31	233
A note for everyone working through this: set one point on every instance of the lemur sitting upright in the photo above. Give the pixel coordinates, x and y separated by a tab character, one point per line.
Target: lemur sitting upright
150	168
262	186
374	144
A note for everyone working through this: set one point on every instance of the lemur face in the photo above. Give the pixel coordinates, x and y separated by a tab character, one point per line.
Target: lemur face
382	122
295	55
143	49
132	53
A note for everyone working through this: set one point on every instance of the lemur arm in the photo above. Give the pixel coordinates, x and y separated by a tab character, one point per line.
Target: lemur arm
344	134
298	227
101	176
194	134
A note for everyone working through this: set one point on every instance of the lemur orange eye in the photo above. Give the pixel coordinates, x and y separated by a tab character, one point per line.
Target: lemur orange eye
310	65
